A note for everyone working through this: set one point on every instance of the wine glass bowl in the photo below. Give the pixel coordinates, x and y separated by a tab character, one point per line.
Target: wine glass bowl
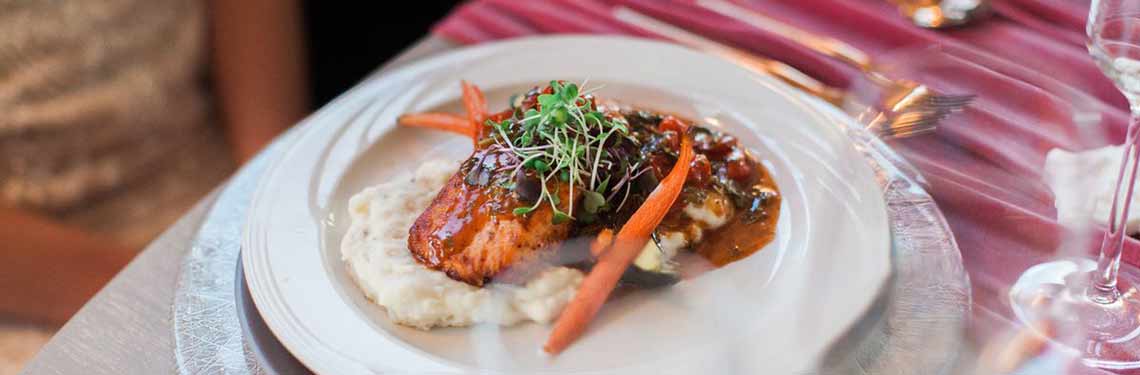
1114	43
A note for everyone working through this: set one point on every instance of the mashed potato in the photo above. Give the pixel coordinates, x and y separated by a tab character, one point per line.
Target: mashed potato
375	250
707	215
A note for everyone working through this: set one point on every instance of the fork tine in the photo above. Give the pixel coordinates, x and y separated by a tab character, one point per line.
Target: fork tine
940	103
954	100
952	105
959	97
949	108
954	96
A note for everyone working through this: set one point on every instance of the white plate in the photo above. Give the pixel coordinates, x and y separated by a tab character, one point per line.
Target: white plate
775	311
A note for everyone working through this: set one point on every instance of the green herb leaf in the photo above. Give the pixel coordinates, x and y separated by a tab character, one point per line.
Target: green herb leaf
522	210
592	201
570	93
559	115
505	125
560	218
531	118
595	116
539	165
548	102
620	125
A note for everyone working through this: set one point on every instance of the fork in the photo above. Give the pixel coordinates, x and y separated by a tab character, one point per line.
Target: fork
901	113
898	94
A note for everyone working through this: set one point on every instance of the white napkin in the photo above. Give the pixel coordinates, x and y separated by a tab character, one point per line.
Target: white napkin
1082	185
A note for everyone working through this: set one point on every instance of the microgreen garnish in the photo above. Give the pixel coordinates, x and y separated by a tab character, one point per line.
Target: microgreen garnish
565	138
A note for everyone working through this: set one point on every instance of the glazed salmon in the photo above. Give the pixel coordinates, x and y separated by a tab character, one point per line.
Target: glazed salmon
470	233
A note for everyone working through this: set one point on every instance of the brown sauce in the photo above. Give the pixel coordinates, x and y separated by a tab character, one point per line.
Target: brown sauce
470	231
722	166
742	236
472	203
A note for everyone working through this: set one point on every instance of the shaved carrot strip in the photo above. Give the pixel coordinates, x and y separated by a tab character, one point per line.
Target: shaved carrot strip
441	121
476	105
598	285
604	239
473	101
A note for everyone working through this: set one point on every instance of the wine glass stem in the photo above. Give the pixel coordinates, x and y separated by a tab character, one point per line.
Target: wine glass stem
1104	289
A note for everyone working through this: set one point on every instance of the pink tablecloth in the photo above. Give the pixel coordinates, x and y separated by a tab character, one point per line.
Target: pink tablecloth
983	165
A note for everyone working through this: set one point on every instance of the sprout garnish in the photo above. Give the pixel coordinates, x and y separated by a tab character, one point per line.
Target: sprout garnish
566	138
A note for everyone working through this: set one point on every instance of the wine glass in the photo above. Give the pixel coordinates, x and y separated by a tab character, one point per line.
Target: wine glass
1093	306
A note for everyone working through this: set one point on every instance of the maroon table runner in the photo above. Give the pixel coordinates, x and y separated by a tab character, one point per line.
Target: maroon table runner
983	166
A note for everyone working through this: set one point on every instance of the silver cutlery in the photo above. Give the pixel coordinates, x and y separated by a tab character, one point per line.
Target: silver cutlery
904	111
898	95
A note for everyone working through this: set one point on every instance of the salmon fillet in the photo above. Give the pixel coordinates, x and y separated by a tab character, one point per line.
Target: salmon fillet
470	233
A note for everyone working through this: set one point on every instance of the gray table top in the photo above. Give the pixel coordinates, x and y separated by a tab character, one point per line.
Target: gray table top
126	328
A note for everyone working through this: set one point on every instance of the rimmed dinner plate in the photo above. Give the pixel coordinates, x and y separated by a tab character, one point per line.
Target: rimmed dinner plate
775	311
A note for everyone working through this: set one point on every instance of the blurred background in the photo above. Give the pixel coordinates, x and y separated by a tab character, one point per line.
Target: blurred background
116	116
348	41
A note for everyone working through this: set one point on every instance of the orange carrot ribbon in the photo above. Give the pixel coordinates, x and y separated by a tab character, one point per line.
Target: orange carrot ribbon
603	278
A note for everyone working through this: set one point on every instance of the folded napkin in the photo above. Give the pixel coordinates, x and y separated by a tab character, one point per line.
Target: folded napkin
1037	90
